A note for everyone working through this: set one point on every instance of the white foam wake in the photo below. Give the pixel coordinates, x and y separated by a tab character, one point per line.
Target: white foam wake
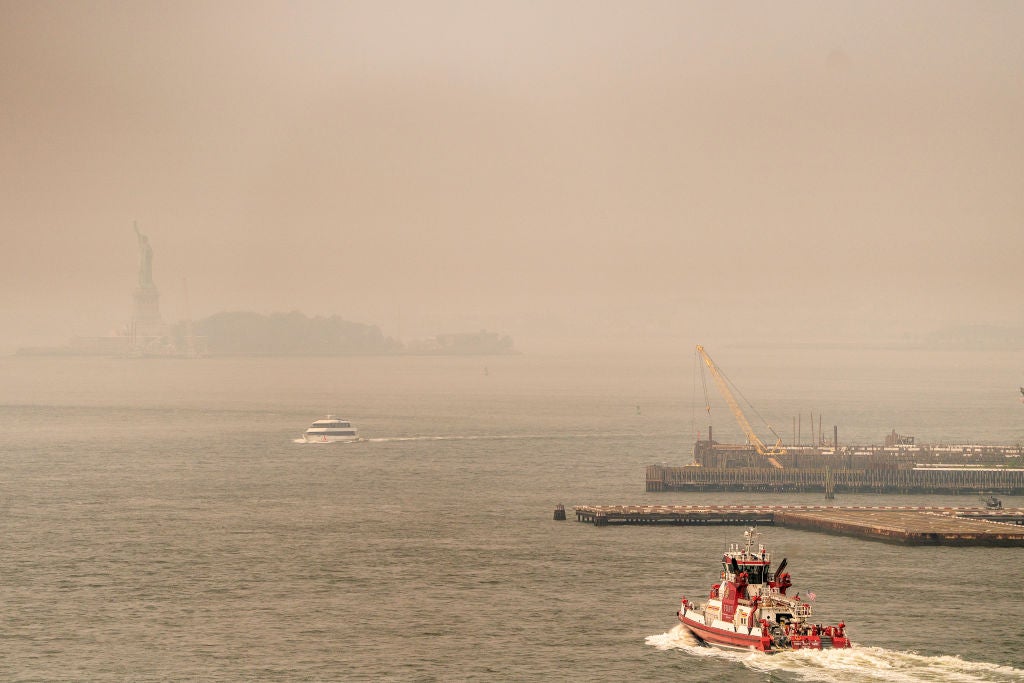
387	439
327	443
492	437
868	664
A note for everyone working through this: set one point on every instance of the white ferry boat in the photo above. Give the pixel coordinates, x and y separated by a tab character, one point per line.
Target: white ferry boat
331	429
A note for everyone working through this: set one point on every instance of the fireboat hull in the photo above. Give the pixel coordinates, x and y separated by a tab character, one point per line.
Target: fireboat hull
709	635
755	640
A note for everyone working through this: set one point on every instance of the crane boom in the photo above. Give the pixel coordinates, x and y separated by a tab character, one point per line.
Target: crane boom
755	441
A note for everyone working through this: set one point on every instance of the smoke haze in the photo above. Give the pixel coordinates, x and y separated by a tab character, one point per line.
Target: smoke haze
585	173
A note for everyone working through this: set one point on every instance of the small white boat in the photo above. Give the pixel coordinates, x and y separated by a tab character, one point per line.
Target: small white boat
331	429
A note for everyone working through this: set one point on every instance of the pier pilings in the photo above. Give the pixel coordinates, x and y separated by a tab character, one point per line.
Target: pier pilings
927	480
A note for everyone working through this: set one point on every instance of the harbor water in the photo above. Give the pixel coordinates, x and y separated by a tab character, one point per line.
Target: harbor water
159	523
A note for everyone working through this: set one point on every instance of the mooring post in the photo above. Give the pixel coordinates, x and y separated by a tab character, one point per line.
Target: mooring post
559	513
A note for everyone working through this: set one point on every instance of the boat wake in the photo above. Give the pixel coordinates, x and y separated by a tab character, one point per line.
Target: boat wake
329	443
847	665
481	437
492	437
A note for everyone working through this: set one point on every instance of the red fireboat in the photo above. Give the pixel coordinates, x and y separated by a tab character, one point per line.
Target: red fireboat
749	609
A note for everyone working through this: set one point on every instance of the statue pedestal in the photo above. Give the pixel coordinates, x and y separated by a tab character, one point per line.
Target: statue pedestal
146	321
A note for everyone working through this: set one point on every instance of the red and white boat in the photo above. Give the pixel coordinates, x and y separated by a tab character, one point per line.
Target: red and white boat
750	610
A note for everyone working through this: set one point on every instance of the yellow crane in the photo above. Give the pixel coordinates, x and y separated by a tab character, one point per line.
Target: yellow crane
768	452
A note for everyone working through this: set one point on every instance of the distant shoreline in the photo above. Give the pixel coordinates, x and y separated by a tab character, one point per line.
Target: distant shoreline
59	352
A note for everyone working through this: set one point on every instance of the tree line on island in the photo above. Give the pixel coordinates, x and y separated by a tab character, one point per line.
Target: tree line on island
242	332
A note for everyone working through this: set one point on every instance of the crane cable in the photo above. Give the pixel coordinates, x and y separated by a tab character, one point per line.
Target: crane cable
735	390
750	405
703	381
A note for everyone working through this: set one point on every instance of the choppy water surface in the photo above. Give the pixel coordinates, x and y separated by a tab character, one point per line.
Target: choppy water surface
159	523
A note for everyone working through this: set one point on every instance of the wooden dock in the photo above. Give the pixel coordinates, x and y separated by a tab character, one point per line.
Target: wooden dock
903	524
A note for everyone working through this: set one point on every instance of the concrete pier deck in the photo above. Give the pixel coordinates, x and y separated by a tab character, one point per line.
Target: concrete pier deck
894	524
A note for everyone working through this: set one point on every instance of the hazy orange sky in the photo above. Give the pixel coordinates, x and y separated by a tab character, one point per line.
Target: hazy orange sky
642	172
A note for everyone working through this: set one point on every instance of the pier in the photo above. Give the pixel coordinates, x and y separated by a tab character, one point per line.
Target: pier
909	525
953	480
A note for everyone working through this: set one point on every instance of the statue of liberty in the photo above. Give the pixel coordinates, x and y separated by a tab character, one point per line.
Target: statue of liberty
145	259
146	322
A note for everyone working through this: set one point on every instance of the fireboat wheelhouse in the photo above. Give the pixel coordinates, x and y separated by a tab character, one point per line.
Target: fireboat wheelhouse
750	610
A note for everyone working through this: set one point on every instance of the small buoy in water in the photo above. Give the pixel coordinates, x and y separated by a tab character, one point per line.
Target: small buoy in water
559	513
